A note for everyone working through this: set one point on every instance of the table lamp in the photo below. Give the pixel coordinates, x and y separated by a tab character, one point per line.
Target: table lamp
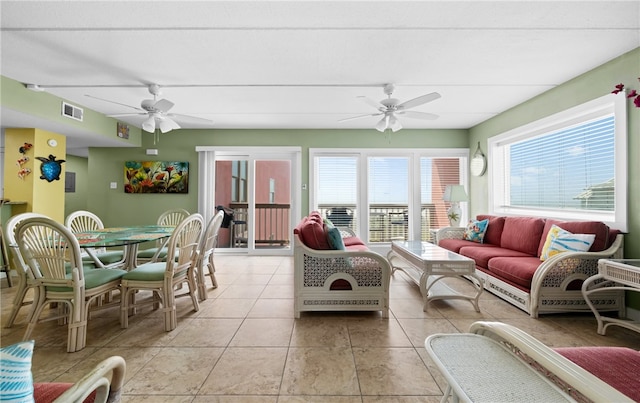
454	194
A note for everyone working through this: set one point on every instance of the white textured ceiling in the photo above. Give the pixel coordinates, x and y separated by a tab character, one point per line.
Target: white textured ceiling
302	64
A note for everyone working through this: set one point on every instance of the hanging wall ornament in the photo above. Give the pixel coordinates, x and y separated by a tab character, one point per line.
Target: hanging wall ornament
50	168
25	147
22	161
23	172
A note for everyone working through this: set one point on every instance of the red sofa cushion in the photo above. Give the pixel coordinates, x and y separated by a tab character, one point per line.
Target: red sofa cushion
48	392
494	229
617	366
352	240
522	234
311	232
518	270
454	245
482	254
597	228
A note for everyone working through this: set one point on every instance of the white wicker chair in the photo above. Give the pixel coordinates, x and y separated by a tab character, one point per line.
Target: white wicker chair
163	277
81	221
158	253
206	248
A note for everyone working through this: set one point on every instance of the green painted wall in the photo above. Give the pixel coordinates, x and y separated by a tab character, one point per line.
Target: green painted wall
77	200
107	165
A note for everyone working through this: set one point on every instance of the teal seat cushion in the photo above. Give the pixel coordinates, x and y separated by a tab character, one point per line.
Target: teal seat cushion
148	253
106	257
94	278
147	272
16	381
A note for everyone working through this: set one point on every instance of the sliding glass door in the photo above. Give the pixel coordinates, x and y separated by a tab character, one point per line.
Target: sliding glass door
255	189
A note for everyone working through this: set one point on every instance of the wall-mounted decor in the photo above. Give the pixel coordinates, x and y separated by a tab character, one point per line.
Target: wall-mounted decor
69	182
156	177
50	168
24	148
123	130
23	172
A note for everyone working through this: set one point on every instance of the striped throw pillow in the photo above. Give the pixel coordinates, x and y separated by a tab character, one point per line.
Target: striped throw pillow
16	381
559	240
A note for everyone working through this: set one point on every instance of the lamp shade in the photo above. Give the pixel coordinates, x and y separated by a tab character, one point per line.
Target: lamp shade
454	194
149	125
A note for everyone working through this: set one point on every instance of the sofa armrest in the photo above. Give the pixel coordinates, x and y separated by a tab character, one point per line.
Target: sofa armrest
449	233
107	379
567	375
340	261
560	270
346	232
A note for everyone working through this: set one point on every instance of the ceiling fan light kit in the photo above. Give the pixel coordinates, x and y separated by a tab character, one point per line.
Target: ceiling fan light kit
391	107
157	114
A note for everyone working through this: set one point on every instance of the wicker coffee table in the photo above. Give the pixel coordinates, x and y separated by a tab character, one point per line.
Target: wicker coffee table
427	264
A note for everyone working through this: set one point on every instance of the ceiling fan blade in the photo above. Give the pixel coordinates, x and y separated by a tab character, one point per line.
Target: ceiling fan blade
163	105
114	102
121	115
412	103
419	115
373	103
360	116
187	119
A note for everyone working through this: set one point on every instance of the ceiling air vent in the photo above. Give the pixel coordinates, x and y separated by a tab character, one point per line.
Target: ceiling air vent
71	111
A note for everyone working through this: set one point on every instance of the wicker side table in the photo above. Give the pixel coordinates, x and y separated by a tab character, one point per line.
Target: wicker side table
613	274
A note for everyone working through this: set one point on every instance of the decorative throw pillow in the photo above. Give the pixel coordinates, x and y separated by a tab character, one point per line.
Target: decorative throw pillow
559	240
333	236
16	381
475	230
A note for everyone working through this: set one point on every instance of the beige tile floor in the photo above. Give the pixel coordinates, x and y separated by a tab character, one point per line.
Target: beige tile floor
244	345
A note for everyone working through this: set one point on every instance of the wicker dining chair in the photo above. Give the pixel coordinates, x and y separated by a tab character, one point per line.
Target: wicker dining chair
162	278
158	253
53	255
208	243
26	280
82	221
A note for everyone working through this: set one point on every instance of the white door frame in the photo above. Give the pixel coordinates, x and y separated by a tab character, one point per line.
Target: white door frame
207	155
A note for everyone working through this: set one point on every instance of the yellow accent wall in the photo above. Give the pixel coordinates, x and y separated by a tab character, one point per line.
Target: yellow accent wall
40	195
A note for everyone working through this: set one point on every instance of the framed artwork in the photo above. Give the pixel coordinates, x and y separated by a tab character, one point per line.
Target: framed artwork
123	131
156	177
70	182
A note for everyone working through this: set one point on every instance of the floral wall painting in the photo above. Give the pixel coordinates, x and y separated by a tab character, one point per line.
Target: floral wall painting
156	177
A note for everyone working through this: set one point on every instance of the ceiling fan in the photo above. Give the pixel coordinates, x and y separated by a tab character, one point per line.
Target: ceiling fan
156	110
389	108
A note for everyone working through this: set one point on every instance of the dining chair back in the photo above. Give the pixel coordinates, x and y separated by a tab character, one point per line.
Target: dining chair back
208	243
83	221
26	280
158	253
53	254
162	278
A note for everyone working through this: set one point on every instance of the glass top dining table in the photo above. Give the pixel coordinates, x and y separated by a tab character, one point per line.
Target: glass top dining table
129	237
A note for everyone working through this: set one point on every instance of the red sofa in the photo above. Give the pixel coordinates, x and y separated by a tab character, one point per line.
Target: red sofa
508	260
330	277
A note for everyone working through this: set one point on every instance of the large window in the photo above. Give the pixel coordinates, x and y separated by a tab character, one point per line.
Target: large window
571	165
385	195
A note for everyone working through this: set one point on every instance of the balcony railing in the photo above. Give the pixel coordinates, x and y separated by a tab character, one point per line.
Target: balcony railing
387	222
272	224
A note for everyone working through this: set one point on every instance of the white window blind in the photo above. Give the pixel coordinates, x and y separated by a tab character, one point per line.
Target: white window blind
568	166
572	168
